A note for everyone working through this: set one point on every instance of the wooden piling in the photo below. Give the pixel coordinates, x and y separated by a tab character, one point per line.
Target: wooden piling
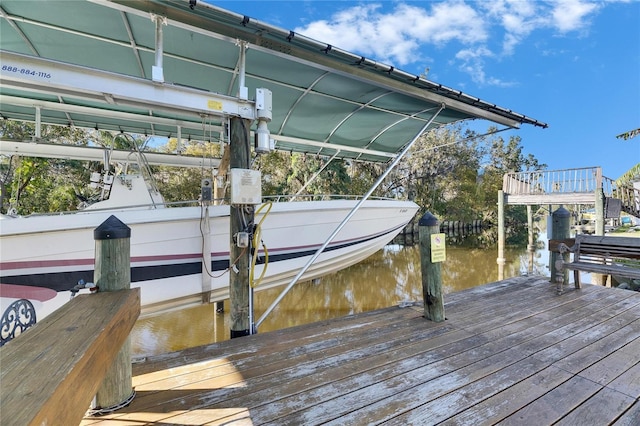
531	248
112	273
501	238
560	230
239	274
431	271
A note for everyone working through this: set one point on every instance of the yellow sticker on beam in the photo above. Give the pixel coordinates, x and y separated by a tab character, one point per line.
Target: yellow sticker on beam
438	249
216	105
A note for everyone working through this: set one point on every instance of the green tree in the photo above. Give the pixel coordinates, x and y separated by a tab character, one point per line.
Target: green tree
440	172
285	173
181	183
31	185
504	157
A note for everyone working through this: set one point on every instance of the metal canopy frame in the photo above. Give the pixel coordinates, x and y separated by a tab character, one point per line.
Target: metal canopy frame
157	67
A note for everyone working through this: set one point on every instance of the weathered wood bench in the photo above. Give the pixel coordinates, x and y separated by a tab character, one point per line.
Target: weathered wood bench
599	254
51	373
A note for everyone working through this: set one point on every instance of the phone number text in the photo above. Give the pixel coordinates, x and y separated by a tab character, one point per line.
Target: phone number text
26	71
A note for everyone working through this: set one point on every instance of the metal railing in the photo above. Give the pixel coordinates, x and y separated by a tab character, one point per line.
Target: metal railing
571	181
586	179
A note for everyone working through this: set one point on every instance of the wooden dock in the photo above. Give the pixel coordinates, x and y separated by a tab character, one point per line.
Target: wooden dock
510	352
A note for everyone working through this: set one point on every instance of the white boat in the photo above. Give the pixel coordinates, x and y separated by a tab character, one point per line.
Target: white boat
43	257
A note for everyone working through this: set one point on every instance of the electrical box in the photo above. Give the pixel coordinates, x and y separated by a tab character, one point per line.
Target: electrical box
206	190
242	239
246	187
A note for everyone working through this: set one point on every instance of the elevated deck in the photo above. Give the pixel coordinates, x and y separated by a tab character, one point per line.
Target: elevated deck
510	352
569	186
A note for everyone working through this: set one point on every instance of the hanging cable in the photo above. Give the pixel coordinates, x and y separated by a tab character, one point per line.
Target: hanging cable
206	268
254	243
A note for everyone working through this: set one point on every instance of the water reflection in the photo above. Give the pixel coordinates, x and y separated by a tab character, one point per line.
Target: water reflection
388	277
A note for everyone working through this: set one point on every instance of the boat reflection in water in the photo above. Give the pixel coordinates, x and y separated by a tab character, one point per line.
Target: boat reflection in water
388	277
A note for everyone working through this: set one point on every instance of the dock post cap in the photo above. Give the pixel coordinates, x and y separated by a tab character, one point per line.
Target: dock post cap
111	229
428	220
561	212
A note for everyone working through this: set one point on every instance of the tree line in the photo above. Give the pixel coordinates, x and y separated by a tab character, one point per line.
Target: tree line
452	172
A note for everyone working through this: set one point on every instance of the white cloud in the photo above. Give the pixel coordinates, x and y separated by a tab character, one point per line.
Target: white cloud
472	62
517	18
398	35
571	15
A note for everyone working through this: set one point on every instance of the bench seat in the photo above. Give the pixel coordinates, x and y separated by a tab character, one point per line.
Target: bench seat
620	270
606	255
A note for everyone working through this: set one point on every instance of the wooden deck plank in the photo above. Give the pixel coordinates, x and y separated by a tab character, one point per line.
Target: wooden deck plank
269	382
454	399
602	408
312	348
629	382
602	372
202	384
480	353
498	406
631	417
511	352
554	405
596	361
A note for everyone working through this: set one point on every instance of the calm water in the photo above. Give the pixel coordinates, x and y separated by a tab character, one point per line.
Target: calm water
388	277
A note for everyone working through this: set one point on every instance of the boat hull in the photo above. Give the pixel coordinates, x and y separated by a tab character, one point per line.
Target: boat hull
55	252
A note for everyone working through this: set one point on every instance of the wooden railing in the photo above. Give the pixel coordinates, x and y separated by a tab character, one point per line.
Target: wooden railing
51	373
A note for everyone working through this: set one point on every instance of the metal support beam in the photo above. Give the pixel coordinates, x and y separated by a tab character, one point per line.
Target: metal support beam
38	121
110	114
531	248
53	77
157	73
92	153
243	91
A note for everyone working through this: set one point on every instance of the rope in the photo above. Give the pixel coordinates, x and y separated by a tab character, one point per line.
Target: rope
109	410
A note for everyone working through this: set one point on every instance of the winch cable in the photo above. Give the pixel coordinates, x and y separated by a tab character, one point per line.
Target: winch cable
232	264
256	240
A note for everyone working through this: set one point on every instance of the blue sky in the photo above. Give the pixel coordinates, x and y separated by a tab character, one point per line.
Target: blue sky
573	64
